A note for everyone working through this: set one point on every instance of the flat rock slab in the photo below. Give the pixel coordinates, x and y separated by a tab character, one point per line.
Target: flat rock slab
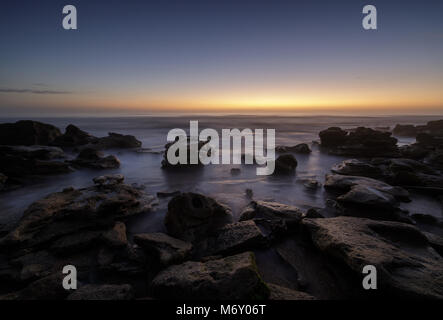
233	277
168	249
406	264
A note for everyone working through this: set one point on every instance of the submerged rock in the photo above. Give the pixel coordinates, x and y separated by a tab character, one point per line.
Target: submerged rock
3	180
285	164
92	158
231	278
299	148
193	216
27	133
407	266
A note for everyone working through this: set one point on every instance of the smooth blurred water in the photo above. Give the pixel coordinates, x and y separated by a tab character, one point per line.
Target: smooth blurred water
213	180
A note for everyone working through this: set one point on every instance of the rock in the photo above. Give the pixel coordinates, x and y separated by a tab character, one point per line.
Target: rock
108	180
313	214
231	278
407	130
103	292
407	267
413	151
333	137
435	241
167	165
271	211
361	142
424	218
354	167
312	184
235	171
27	133
167	194
21	162
73	137
47	288
166	249
34	152
92	158
285	163
346	183
282	293
234	238
116	237
3	180
70	212
192	216
75	242
117	141
368	196
299	148
249	193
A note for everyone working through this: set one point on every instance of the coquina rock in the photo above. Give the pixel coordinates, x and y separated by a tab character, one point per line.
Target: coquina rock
231	278
407	266
192	216
27	133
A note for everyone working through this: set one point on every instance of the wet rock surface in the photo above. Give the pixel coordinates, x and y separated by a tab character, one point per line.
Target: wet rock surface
405	261
285	164
193	216
27	133
299	148
233	277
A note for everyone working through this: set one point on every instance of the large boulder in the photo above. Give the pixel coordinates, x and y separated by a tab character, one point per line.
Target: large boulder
73	210
166	249
354	167
166	164
73	137
406	130
333	137
361	142
407	266
27	133
285	163
117	141
231	278
92	158
193	216
22	162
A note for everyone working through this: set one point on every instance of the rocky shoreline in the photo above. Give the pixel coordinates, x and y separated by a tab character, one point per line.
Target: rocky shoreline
206	253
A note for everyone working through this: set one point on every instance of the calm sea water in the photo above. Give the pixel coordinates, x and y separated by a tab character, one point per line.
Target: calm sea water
213	180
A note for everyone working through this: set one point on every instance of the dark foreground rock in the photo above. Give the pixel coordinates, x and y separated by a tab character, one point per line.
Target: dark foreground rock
275	218
230	278
82	227
166	249
362	142
27	133
233	238
19	163
193	216
103	292
407	266
282	293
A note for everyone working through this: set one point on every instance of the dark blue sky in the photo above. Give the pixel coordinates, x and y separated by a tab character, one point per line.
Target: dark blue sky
161	55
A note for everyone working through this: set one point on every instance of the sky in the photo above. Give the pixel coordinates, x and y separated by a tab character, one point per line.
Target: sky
224	55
